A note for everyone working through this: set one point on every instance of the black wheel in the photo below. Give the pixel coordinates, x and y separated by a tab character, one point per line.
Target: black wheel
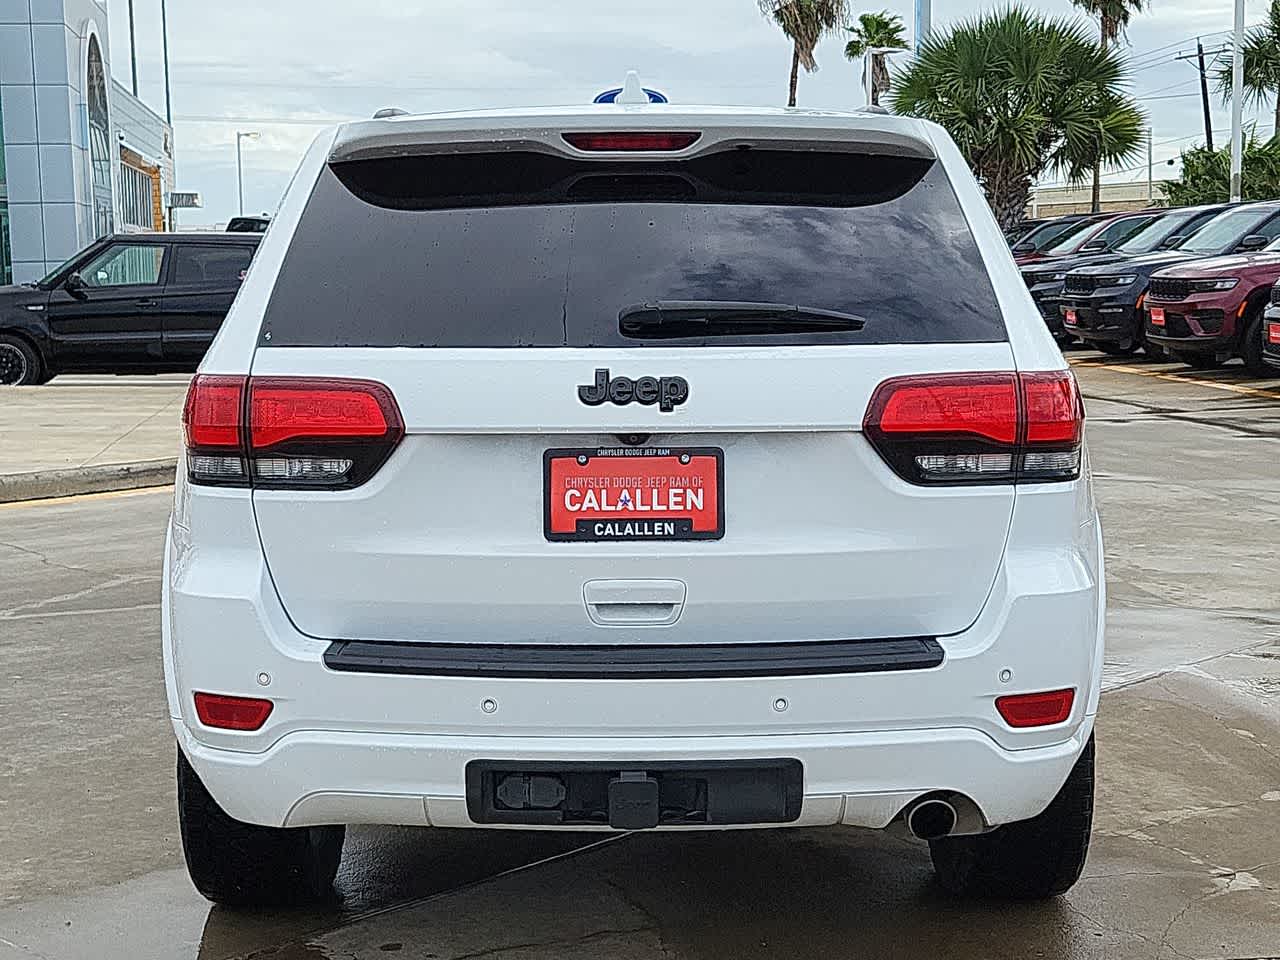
19	362
1120	348
1251	349
1200	361
1156	353
1030	860
240	864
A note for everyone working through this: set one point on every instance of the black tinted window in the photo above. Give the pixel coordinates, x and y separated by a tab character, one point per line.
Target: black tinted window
197	265
522	249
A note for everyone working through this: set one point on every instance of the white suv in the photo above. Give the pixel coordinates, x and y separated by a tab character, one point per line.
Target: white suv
634	467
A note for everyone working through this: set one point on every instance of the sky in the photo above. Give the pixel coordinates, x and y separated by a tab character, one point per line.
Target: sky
285	68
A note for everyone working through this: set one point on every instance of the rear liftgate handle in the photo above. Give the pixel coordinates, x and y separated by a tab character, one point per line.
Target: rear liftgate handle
630	603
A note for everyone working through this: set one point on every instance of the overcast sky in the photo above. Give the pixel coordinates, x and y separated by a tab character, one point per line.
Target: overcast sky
287	67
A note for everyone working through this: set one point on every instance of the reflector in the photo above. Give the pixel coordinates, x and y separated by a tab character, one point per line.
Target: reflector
1036	709
232	713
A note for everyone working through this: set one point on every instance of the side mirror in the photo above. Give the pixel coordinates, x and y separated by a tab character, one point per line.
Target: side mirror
1168	243
1253	241
1024	247
76	286
1094	246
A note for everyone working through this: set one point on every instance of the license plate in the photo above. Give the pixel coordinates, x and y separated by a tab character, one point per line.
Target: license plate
634	493
1070	318
1157	316
1273	332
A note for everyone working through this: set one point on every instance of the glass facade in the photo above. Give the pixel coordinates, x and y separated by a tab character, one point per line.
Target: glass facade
6	254
99	141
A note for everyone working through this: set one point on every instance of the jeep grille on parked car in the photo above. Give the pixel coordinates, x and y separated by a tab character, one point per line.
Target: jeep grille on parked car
1076	283
1168	288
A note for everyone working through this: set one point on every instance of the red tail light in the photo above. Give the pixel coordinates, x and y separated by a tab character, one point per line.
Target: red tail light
978	427
232	713
1036	709
289	432
620	141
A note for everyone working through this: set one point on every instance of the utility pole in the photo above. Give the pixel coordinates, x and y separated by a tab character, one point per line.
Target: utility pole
1151	186
1204	97
1237	102
924	22
133	49
164	39
1200	62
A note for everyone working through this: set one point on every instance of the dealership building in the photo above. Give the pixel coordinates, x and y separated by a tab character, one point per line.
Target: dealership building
80	156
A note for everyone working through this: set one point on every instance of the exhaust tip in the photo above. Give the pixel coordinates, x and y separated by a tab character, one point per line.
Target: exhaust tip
931	819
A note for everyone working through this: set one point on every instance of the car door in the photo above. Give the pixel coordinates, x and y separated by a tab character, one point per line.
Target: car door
105	315
203	280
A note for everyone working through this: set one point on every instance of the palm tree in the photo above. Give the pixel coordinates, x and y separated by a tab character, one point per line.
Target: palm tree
805	22
1021	94
883	29
1113	17
1261	64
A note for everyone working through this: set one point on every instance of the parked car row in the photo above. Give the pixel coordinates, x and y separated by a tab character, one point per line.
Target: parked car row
1189	284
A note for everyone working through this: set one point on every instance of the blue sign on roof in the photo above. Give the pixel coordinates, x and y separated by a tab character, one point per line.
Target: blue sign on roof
609	96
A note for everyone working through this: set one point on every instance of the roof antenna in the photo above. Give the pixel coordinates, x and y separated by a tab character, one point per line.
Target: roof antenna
632	92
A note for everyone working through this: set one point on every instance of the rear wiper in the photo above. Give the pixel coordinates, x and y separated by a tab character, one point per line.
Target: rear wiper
661	319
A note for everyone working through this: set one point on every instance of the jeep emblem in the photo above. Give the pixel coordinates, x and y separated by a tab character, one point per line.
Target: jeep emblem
667	392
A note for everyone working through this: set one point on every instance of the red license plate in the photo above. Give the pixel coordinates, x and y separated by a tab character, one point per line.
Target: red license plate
1273	332
1070	318
1157	316
634	493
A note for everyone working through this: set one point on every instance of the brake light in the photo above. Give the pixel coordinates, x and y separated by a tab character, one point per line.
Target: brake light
232	713
634	140
1036	709
289	432
978	427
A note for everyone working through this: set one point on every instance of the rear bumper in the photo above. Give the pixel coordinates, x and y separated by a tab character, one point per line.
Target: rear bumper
355	746
857	779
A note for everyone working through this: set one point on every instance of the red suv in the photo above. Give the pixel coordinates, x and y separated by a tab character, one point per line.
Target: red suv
1207	311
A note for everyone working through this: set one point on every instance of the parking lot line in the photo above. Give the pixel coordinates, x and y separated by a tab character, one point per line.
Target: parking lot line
83	497
1263	392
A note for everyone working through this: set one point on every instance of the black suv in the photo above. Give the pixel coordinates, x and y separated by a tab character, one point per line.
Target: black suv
1103	305
141	302
1044	278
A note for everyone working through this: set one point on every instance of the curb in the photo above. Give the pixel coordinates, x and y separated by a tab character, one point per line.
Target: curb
73	481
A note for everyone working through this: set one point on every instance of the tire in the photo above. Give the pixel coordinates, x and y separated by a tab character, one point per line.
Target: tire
1156	353
243	865
1251	349
1122	349
20	364
1199	361
1030	860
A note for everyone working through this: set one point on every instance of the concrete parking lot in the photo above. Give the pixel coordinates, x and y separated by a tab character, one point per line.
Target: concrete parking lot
1186	856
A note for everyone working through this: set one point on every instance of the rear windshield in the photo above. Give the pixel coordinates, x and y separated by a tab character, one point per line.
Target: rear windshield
532	250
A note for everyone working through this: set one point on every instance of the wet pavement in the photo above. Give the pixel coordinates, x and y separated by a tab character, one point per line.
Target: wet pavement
1186	857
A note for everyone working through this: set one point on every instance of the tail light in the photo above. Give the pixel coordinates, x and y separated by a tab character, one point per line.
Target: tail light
1036	709
965	428
658	141
288	432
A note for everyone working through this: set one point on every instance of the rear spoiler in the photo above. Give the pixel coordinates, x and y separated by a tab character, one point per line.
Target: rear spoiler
542	131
